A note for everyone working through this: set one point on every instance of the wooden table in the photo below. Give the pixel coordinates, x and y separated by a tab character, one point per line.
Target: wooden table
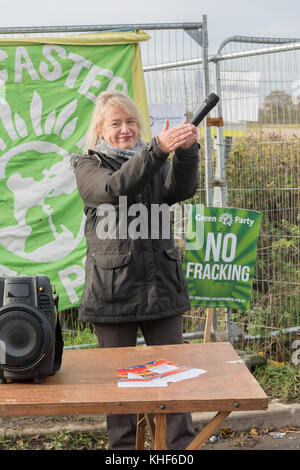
87	384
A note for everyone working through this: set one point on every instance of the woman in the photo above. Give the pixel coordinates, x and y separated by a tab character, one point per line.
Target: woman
131	280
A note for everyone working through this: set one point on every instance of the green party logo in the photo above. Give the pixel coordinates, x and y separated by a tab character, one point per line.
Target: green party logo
219	269
226	218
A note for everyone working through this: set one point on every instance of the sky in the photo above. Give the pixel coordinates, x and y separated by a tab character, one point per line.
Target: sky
271	18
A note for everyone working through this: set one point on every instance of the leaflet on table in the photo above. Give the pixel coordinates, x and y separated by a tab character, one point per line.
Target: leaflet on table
155	374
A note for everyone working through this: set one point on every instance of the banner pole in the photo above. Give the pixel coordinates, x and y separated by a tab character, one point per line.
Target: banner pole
207	331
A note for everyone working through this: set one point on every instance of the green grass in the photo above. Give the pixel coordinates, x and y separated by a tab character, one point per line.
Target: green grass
62	440
281	382
79	337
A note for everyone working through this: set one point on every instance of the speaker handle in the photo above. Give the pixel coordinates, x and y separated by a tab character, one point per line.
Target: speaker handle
59	342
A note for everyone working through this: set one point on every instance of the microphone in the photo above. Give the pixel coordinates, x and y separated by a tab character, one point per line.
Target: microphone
209	103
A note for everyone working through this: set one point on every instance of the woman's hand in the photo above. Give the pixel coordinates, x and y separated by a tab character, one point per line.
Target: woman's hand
183	136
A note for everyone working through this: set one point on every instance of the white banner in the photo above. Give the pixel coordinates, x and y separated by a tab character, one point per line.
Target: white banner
158	113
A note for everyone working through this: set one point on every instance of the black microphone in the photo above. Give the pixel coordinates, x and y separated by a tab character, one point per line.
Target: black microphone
209	103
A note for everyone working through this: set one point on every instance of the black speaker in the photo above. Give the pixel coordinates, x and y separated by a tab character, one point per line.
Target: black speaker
31	343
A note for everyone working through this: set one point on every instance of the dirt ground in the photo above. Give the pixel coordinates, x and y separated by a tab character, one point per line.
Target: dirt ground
275	440
38	429
29	425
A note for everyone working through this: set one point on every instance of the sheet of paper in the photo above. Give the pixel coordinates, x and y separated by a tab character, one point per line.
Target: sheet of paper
150	383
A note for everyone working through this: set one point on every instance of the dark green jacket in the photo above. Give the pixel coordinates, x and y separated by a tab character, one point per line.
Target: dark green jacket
138	277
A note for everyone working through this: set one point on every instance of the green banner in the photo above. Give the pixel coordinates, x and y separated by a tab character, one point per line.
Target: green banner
47	95
220	256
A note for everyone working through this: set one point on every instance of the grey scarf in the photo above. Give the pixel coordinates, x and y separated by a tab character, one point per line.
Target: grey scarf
120	155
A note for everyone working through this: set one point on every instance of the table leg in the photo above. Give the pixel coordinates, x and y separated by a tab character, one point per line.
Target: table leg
151	426
140	432
160	431
208	430
143	421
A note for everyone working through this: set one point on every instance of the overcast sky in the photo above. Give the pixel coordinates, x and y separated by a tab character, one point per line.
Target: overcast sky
272	18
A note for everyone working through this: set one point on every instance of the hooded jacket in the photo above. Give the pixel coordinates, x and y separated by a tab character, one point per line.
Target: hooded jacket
133	271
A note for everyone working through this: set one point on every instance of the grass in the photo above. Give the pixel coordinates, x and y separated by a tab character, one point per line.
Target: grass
62	440
79	337
279	381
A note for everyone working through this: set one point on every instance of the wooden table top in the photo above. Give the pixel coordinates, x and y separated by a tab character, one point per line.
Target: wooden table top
87	384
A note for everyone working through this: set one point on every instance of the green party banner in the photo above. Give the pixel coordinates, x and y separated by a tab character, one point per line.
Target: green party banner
48	89
220	256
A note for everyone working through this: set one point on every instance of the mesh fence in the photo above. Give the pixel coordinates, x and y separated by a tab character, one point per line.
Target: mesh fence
260	98
260	92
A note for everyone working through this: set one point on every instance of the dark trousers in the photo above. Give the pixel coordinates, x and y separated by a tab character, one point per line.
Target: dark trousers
121	429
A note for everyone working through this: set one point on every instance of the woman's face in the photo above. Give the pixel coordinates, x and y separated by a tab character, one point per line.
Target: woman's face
119	128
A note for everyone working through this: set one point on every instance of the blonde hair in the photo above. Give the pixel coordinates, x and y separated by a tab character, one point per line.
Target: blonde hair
104	101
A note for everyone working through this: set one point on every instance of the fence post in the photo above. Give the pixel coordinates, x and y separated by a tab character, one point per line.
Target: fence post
207	135
220	171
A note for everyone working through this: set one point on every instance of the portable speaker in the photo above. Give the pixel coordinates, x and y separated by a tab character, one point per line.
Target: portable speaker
31	342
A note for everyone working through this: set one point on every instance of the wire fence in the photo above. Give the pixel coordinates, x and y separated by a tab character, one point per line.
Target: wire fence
260	99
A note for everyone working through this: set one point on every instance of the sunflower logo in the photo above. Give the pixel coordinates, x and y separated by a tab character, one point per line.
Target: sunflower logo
226	219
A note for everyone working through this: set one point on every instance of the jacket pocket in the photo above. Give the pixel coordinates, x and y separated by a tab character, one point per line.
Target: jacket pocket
173	267
112	276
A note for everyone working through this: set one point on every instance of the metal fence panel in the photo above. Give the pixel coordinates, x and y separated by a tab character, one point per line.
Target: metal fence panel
260	102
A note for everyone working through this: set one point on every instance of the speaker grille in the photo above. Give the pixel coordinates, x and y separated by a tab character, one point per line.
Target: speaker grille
22	334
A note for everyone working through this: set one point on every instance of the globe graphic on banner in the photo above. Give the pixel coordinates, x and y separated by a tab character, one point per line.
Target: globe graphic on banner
47	96
31	192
